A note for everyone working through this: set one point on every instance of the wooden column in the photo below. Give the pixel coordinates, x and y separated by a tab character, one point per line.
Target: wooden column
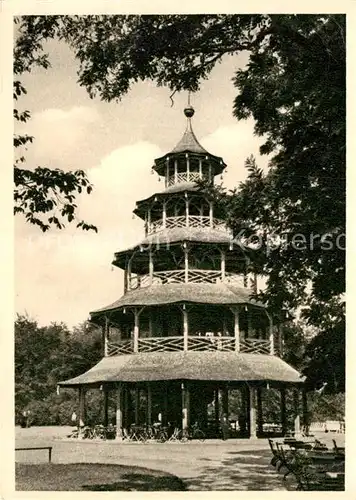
137	404
211	213
106	406
217	407
119	411
106	336
186	263
259	411
249	322
149	404
136	330
223	257
283	411
125	280
252	392
167	173
165	405
129	266
149	219
125	409
200	168
306	422
280	340
81	412
175	171
210	173
150	326
236	329
164	213
296	412
185	406
225	402
185	328
150	266
186	210
271	336
188	168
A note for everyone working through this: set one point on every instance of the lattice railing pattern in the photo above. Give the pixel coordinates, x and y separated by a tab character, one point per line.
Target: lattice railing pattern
196	221
203	342
120	347
211	343
184	177
179	276
156	344
255	346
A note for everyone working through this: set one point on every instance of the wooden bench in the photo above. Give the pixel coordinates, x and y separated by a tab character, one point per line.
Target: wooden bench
49	448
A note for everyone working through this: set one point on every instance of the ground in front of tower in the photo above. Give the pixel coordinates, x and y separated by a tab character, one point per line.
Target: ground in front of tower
214	465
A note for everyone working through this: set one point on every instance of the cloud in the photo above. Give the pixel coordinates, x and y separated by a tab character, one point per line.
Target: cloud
62	137
234	144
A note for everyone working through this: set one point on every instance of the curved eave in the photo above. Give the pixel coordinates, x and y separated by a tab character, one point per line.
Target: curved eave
175	236
175	293
160	163
175	190
191	365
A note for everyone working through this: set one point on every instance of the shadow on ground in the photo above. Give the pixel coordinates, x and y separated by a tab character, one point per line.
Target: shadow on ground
240	470
93	477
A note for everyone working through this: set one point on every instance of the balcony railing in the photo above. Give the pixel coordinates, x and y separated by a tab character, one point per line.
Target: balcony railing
192	221
180	276
184	177
194	343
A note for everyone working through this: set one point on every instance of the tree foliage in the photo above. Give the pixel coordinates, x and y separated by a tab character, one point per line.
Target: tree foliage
293	87
43	357
44	196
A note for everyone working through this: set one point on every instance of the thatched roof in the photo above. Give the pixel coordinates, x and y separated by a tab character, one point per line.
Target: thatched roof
195	293
190	365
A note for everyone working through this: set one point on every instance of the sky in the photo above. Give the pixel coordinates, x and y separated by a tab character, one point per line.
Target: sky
63	275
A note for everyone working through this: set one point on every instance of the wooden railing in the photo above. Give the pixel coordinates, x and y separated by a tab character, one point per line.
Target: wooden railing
203	342
179	276
192	221
255	346
184	177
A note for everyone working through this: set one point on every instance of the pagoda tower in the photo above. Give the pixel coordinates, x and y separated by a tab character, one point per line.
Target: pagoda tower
187	331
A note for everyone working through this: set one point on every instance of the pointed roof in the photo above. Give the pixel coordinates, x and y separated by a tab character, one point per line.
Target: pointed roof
189	142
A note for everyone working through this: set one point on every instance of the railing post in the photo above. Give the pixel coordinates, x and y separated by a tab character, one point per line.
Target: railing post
185	328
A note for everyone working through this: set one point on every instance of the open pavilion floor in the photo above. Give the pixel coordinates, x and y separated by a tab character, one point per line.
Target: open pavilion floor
235	464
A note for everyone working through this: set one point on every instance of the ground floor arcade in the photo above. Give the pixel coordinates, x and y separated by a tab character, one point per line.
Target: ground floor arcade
220	409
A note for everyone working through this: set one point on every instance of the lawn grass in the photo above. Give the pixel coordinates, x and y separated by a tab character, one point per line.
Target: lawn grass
93	477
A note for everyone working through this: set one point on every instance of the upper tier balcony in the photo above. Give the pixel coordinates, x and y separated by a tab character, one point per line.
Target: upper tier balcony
189	276
189	221
180	177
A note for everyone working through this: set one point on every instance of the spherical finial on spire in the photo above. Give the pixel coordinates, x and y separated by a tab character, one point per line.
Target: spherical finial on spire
189	111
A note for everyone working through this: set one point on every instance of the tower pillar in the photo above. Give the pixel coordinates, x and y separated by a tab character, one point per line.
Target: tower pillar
252	393
185	406
119	412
